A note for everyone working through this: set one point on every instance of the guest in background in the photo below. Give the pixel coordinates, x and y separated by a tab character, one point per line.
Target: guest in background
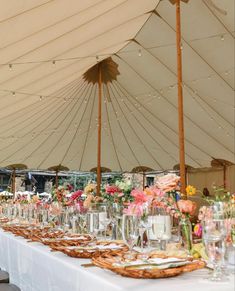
29	182
206	192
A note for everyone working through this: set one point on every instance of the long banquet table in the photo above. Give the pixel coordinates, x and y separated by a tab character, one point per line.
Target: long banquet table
33	267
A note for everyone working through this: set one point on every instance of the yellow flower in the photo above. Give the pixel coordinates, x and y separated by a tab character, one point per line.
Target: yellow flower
190	190
35	199
90	188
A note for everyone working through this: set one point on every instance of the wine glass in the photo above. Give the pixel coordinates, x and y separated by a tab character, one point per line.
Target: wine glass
130	230
213	238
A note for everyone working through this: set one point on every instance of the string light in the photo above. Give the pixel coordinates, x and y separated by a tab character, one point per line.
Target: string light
97	58
222	37
13	93
10	66
40	98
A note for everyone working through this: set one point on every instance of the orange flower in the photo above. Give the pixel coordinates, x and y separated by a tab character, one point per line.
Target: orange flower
187	206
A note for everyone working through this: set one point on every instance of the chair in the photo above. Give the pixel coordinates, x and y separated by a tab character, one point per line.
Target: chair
4	277
9	287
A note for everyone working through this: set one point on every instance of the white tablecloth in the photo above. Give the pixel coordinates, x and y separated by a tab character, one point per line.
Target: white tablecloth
33	267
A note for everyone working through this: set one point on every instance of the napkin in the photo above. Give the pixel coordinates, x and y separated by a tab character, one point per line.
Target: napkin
155	263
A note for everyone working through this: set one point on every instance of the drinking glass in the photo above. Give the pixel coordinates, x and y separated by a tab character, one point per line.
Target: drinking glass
105	218
233	234
130	230
116	220
160	230
92	223
213	237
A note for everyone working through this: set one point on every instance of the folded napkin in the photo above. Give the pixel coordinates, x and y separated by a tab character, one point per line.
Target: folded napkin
155	263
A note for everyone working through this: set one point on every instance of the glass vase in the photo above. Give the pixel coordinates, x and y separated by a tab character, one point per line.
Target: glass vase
185	233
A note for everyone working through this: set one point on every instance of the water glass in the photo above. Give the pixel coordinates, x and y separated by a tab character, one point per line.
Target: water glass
160	230
130	230
213	237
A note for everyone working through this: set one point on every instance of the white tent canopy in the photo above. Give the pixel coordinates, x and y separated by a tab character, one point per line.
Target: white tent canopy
49	113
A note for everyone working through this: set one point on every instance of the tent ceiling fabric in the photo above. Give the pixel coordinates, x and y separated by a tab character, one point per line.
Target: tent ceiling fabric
49	113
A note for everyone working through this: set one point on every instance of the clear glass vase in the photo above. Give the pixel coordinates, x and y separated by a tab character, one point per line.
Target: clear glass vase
185	233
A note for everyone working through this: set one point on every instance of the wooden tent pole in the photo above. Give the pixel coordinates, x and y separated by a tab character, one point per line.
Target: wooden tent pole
180	99
99	132
56	179
143	180
13	187
224	172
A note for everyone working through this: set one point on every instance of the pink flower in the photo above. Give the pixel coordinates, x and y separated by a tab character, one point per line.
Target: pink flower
198	230
168	182
80	207
134	209
112	189
205	213
139	196
187	206
76	195
157	192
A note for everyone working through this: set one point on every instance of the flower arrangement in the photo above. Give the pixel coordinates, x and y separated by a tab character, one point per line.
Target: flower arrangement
168	183
22	199
76	195
90	188
75	198
165	195
120	192
221	194
138	206
59	194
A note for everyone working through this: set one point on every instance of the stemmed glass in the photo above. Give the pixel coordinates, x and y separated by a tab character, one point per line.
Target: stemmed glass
213	237
130	230
82	218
